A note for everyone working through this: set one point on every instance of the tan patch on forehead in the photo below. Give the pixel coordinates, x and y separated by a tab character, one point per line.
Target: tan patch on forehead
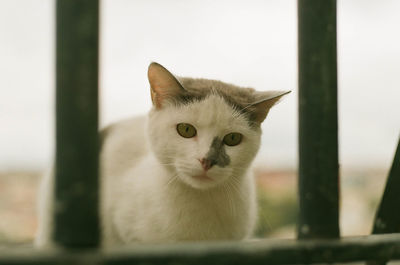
241	96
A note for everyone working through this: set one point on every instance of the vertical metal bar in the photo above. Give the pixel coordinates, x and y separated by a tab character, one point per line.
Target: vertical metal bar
318	125
387	219
76	184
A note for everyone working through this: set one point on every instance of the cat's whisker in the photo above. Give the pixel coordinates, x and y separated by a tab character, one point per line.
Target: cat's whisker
225	189
175	177
236	186
234	182
168	164
248	106
240	168
240	111
266	219
232	199
185	167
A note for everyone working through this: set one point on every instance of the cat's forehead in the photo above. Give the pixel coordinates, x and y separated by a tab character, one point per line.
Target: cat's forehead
199	89
212	111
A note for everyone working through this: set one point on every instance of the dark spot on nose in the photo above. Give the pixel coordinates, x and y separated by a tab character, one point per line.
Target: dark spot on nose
217	155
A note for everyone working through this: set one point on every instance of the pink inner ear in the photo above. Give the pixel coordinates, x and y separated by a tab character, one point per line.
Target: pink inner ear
262	110
263	107
162	83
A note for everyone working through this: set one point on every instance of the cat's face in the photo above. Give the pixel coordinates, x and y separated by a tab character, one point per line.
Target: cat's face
195	141
205	132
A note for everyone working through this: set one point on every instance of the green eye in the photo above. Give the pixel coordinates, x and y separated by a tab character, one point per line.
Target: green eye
232	139
186	130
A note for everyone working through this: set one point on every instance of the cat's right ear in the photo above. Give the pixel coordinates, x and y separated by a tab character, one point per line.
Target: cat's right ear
266	100
163	84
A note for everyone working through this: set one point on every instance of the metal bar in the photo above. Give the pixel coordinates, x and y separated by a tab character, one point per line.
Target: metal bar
318	125
260	252
387	219
76	185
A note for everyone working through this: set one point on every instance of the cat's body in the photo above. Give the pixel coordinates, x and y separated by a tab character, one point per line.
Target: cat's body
182	173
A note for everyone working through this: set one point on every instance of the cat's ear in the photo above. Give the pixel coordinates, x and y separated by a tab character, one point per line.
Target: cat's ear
264	102
163	84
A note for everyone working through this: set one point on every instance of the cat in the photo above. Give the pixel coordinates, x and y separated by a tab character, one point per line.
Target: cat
181	173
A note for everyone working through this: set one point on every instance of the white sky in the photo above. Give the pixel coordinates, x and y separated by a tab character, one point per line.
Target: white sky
249	43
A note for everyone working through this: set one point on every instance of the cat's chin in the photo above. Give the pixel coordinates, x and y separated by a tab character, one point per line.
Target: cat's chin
201	181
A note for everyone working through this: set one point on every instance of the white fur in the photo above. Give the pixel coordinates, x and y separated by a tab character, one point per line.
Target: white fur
148	191
45	210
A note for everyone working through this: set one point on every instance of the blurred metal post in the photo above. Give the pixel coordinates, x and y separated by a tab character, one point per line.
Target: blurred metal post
76	184
318	125
387	219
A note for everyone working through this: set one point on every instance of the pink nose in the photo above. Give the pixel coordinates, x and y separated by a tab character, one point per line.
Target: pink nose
207	163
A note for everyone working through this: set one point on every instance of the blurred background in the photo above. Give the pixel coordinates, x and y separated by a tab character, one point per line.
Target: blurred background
245	43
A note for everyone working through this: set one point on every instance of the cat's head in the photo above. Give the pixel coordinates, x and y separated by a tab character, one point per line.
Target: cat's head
205	132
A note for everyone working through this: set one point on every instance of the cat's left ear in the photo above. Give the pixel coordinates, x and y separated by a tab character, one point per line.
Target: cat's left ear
163	84
264	102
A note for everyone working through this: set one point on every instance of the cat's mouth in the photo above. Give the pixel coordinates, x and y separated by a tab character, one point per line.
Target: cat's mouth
203	177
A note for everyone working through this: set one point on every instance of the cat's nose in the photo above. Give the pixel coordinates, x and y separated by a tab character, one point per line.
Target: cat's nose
207	163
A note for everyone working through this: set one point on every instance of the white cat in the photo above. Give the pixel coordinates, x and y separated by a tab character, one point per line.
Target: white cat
182	172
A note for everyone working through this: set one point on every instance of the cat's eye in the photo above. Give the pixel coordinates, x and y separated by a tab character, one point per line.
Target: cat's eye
233	139
186	130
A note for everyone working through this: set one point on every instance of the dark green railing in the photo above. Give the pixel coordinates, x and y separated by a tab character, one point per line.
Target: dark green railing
77	228
77	165
318	124
387	219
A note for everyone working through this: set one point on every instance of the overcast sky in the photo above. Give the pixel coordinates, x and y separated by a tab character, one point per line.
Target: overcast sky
249	43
